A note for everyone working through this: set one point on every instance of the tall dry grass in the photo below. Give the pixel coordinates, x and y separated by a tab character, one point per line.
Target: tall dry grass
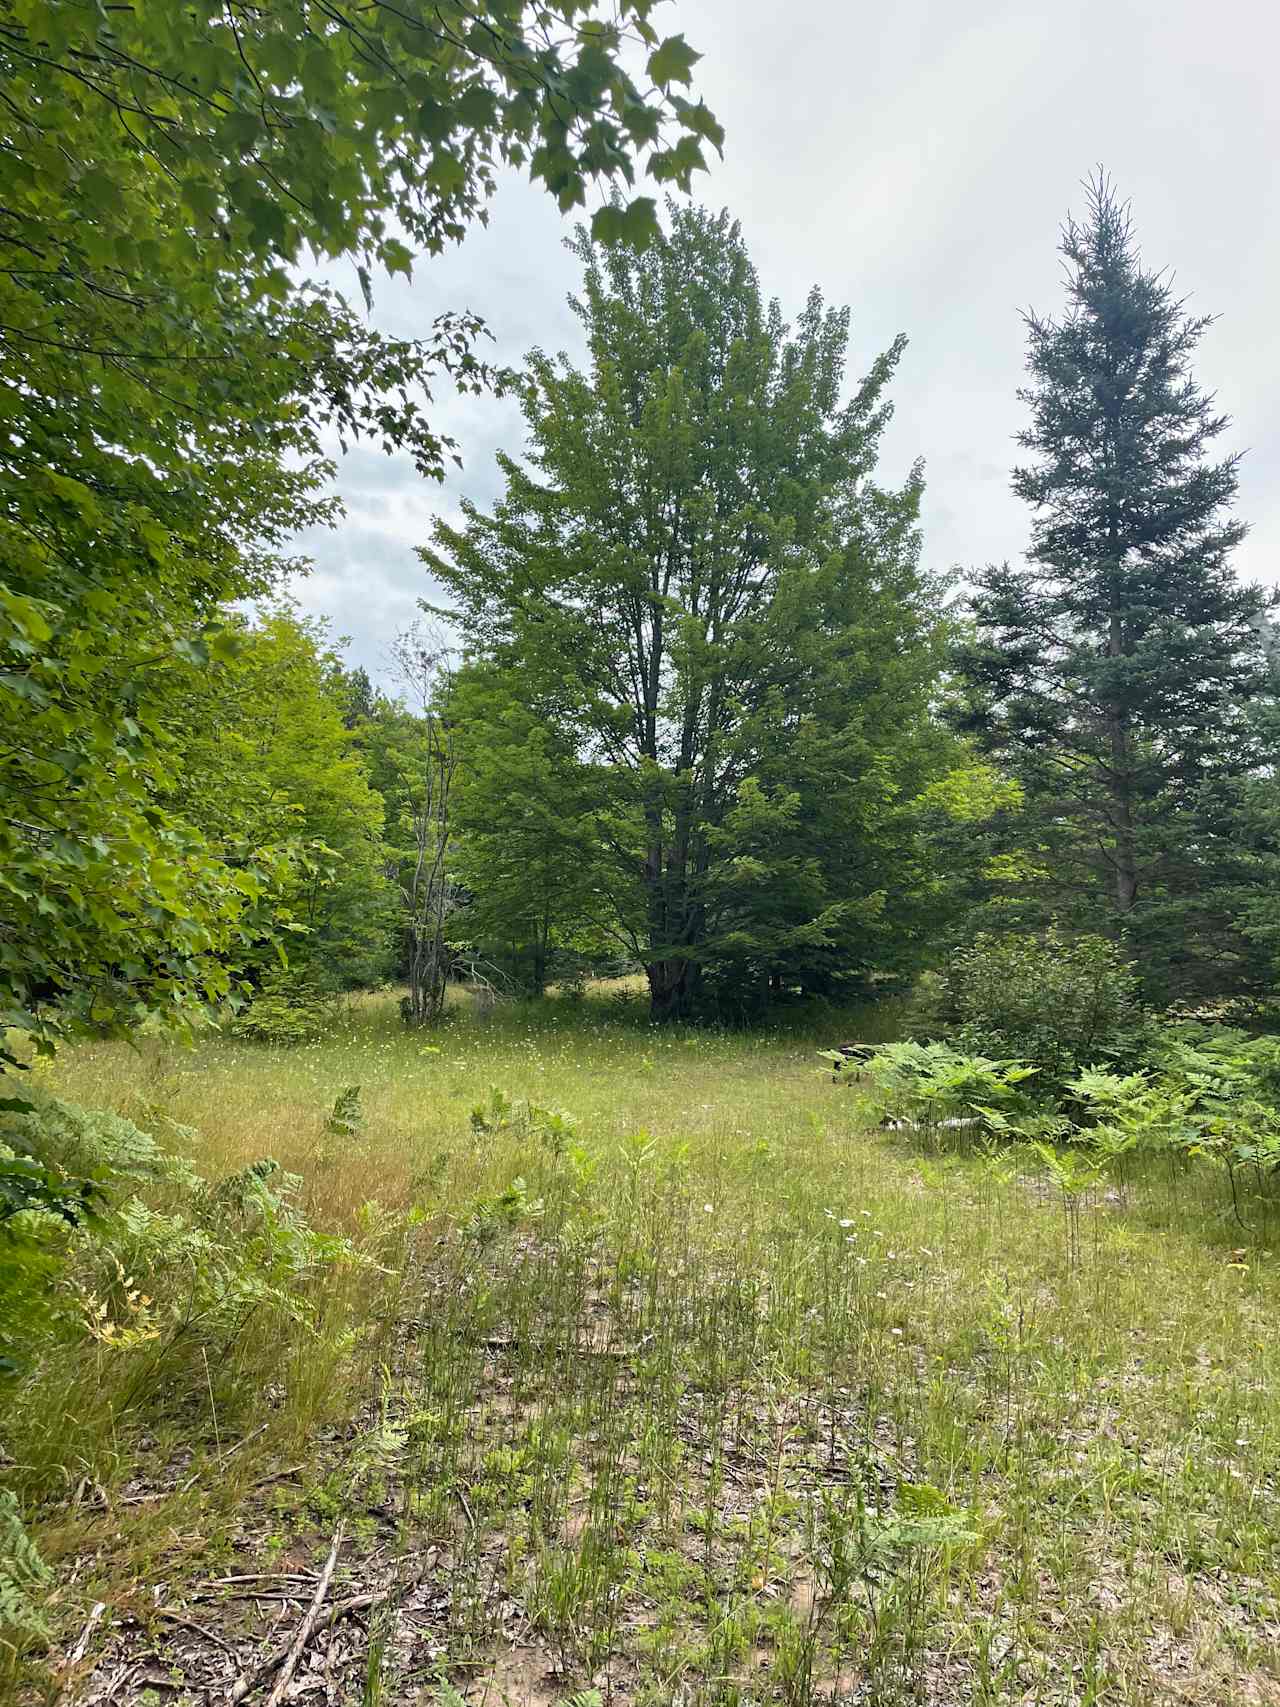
710	1392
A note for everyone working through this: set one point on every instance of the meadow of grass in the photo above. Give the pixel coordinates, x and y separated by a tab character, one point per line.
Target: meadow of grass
678	1381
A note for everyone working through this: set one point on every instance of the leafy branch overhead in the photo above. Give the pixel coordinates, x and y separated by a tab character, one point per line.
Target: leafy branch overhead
268	129
171	389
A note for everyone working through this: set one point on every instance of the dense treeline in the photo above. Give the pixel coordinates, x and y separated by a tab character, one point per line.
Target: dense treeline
170	381
697	705
700	709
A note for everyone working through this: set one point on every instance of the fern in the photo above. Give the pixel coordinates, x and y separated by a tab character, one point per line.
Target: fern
23	1574
490	1216
347	1118
91	1144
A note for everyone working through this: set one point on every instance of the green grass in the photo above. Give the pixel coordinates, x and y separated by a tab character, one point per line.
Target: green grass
732	1399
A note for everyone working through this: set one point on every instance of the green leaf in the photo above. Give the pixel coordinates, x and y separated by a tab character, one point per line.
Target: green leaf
673	62
396	258
609	224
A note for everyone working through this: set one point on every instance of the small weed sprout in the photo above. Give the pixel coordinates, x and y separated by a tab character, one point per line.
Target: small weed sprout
346	1118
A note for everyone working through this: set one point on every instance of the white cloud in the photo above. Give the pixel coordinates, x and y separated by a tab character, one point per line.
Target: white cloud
917	164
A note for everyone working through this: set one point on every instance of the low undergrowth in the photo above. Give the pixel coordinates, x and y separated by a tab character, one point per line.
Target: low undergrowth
666	1372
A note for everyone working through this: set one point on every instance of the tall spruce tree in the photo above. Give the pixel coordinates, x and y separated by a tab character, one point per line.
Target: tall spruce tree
1112	674
697	579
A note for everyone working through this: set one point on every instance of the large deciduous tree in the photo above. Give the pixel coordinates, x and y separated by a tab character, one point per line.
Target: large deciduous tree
1113	672
531	852
698	582
169	385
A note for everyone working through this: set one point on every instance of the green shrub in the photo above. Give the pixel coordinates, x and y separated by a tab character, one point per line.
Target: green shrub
1059	1003
932	1085
286	1013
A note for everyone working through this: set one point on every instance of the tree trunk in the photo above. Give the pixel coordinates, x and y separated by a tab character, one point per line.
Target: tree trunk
670	988
1120	789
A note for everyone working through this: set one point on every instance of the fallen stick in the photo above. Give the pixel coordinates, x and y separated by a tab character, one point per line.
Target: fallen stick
293	1652
354	1603
308	1623
358	1603
466	1506
277	1476
176	1617
307	1577
110	1689
82	1646
292	1598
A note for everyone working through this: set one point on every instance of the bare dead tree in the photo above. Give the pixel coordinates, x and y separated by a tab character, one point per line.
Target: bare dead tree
420	658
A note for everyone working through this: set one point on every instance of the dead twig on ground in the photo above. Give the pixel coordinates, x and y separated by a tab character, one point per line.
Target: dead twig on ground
353	1603
279	1476
86	1635
307	1577
288	1660
176	1617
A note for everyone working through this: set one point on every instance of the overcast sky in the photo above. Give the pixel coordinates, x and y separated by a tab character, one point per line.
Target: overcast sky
915	162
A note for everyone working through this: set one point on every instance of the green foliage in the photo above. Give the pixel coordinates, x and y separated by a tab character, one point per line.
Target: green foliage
1207	1091
25	1184
284	1011
1125	1113
489	1217
170	388
82	1163
493	1116
932	1085
1059	1002
1203	1091
501	1113
875	1558
166	1256
531	852
1220	1060
96	1144
265	757
24	1576
346	1118
277	129
719	646
1113	675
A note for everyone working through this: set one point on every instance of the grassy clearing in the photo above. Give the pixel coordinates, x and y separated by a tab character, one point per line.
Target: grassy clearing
712	1394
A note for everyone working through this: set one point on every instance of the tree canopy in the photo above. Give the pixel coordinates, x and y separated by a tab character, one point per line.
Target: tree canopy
698	583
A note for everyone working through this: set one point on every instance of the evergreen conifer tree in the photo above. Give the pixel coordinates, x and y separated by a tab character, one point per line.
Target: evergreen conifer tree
1113	673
